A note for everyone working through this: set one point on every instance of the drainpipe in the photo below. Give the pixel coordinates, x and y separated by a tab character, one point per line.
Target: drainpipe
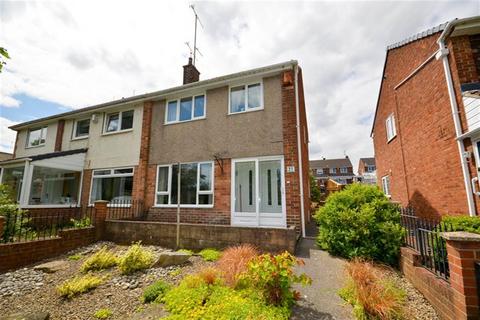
299	141
443	54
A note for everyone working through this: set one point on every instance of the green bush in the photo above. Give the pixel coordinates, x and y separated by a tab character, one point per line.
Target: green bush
463	223
75	257
273	277
360	221
194	299
78	285
187	251
154	291
79	223
315	193
17	221
102	259
103	314
210	254
136	258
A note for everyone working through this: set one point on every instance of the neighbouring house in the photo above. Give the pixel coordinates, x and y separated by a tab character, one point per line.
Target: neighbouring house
240	142
339	170
367	171
426	130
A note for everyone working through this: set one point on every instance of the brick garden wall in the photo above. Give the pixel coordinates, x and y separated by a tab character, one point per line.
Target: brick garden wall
198	236
20	254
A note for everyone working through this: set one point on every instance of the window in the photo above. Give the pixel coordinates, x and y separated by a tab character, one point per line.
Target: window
13	177
185	109
319	171
119	121
370	168
37	137
54	186
81	128
114	185
343	170
196	184
333	170
246	98
390	126
386	185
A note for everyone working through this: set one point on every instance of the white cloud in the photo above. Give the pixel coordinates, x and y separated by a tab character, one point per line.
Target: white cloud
77	55
7	140
9	102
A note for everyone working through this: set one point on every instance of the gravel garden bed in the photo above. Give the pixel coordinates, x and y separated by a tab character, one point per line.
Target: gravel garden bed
30	290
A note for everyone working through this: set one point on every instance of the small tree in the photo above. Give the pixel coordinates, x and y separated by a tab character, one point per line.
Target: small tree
3	55
360	221
315	193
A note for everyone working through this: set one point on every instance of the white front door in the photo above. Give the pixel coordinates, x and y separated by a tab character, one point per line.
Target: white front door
258	192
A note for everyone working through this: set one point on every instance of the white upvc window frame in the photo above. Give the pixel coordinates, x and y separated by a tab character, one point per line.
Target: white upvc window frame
199	192
120	119
74	132
343	170
111	175
42	130
332	171
177	101
390	127
245	87
386	185
370	168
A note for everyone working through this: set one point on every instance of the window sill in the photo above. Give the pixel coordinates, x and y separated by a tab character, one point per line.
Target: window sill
80	138
392	138
186	121
246	111
32	147
116	132
183	206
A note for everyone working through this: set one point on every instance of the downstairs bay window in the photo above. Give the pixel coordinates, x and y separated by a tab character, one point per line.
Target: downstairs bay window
51	186
13	178
114	185
196	184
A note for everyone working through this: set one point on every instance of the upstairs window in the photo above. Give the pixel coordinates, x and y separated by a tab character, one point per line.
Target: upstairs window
81	128
386	185
333	170
245	98
185	109
196	184
370	168
390	127
343	170
119	121
37	137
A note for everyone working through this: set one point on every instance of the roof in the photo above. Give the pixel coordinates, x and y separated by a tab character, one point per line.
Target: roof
368	161
331	163
161	93
45	156
418	36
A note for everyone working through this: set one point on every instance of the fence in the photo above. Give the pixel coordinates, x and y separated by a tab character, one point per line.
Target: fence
22	225
126	210
423	236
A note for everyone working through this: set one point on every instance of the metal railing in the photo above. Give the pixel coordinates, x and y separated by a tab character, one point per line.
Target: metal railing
24	225
126	210
424	236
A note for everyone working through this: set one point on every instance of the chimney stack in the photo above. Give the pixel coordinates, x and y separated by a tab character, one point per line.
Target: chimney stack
190	73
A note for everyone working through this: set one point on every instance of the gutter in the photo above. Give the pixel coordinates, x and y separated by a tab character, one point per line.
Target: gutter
443	55
299	143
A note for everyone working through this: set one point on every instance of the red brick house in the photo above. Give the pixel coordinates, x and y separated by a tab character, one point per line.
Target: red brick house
240	141
426	130
339	170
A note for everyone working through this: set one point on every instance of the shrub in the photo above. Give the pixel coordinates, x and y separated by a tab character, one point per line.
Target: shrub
210	254
102	259
136	258
463	223
17	221
75	257
155	290
103	314
372	294
315	193
79	223
360	221
273	276
194	299
70	288
209	276
234	261
187	251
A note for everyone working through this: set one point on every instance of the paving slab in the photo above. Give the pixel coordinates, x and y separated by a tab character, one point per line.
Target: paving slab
320	300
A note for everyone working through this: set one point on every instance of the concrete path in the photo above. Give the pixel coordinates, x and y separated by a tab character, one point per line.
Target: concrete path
320	300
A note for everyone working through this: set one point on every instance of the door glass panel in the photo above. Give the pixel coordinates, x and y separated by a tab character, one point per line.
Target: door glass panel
188	183
245	187
270	186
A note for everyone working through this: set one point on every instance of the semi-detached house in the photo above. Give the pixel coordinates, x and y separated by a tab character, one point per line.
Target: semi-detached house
240	142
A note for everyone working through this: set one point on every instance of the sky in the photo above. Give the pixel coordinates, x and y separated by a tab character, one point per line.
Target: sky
71	54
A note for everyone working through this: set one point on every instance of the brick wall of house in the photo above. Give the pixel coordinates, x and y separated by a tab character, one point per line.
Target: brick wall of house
219	214
59	136
86	182
423	159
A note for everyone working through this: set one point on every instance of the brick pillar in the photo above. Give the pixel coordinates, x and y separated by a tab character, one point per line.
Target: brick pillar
463	250
2	225
59	136
100	216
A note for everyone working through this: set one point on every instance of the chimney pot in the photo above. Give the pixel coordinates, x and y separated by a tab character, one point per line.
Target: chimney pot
190	72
